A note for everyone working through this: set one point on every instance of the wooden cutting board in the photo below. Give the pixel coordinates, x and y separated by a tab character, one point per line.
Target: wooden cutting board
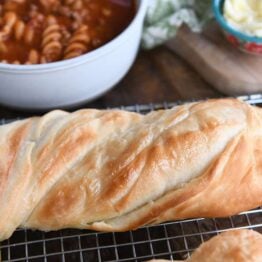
229	70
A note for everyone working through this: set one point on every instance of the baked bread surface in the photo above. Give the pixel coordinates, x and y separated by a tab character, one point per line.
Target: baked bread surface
116	170
232	246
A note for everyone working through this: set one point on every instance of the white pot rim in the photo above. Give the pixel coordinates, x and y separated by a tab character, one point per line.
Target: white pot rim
92	55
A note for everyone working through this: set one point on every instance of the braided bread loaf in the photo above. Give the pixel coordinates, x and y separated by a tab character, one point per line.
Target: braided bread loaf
117	170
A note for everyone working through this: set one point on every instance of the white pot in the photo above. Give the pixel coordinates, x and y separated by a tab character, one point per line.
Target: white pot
74	81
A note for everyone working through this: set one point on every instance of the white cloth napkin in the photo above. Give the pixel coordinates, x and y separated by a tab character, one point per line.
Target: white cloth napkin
164	17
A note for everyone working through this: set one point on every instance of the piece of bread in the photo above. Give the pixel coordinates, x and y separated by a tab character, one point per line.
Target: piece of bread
232	246
117	170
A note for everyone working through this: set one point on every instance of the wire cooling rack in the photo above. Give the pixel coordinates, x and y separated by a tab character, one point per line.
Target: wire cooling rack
173	240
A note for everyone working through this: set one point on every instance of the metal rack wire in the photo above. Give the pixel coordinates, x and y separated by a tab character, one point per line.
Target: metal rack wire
173	240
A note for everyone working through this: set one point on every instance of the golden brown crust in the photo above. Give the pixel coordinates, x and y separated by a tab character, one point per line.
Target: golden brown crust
116	170
232	246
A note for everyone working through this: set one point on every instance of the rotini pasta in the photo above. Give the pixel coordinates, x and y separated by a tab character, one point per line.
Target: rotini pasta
9	21
17	28
78	44
33	57
43	31
51	43
23	32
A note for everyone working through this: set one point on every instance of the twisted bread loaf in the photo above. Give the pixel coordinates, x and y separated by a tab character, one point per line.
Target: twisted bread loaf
232	246
116	170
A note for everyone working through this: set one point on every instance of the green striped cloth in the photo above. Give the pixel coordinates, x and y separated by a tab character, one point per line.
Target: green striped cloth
164	17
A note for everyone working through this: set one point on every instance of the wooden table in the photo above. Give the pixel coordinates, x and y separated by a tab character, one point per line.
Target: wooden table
157	75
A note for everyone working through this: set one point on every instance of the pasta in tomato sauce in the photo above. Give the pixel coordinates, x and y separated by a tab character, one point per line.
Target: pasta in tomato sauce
44	31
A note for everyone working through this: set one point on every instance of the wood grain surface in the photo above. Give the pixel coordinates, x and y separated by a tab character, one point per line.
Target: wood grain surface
224	66
157	75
